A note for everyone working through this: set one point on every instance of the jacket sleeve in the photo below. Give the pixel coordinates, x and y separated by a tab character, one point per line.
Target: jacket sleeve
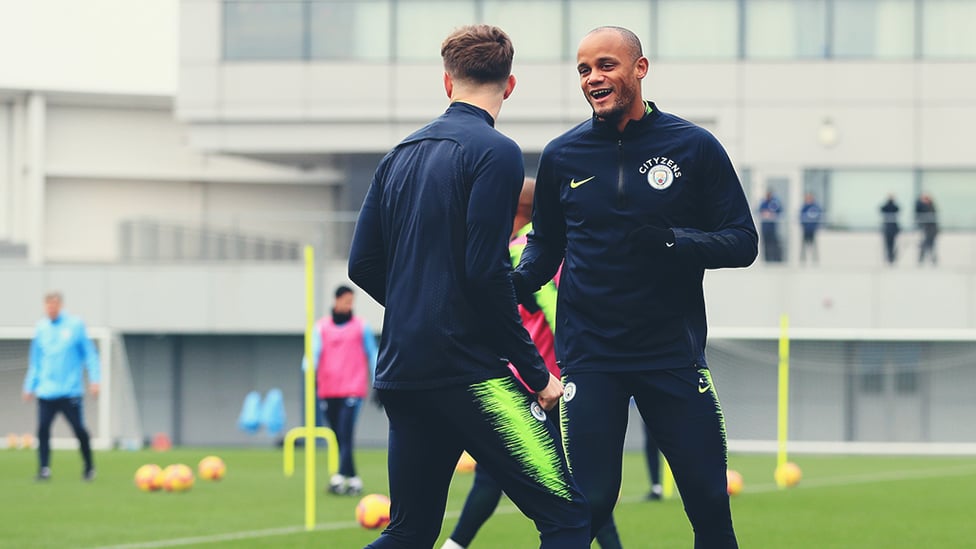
547	242
367	256
34	364
545	297
89	354
727	237
369	346
491	211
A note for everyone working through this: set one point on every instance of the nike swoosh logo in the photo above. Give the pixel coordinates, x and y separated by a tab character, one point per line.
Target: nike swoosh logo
669	244
702	386
574	183
702	389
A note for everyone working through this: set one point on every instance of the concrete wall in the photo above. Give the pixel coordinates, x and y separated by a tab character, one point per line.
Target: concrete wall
261	299
74	166
770	115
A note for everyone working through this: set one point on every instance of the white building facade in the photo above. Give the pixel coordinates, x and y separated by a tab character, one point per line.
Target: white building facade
178	222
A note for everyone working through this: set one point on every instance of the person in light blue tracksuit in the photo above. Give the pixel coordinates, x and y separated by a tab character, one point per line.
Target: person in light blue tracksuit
59	352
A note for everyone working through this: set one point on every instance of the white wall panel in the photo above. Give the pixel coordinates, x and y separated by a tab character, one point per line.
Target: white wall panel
142	143
6	172
200	35
83	216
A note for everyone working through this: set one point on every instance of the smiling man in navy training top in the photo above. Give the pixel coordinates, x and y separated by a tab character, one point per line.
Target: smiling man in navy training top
431	246
639	203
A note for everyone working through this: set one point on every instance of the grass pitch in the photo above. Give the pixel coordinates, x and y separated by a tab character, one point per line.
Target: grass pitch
842	502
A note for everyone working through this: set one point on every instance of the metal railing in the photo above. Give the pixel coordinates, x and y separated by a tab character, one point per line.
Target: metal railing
237	237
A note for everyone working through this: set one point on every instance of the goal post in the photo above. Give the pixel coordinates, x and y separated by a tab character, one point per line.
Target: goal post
112	419
870	391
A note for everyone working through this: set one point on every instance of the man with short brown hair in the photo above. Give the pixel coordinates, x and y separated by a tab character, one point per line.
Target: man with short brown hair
431	245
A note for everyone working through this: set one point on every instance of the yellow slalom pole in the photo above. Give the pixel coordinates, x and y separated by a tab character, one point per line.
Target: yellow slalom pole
310	440
783	400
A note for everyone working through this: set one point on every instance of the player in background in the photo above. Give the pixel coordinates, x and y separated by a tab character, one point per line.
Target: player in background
344	348
652	456
639	203
430	246
59	353
539	319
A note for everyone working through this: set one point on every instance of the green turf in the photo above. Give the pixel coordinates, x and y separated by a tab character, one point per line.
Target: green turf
849	501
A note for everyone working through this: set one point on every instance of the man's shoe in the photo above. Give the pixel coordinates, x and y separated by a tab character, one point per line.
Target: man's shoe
43	474
88	475
337	484
355	487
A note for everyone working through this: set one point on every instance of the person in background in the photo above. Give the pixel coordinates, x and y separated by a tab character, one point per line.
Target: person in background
928	223
770	210
811	217
890	228
344	348
652	455
60	353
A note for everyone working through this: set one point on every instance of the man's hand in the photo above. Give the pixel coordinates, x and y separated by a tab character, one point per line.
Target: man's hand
27	397
93	389
654	240
549	397
523	293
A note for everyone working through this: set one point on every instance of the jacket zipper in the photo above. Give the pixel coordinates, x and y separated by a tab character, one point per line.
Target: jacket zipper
620	173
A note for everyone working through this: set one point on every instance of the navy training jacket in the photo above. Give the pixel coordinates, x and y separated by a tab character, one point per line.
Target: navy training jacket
622	307
431	245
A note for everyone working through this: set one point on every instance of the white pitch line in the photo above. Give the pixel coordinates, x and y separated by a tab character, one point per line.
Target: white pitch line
869	478
231	536
507	509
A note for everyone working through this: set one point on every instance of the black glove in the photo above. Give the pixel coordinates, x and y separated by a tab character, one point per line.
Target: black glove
523	293
653	240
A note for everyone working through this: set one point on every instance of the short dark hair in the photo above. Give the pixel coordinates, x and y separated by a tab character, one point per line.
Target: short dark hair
633	43
478	53
343	290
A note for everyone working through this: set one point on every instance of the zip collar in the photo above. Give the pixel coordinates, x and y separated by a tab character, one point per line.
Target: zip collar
651	113
471	108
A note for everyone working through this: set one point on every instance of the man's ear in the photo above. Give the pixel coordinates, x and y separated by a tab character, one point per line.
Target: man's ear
448	85
509	86
642	67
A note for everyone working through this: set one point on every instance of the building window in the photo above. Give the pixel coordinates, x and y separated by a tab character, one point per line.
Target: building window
854	197
948	29
869	367
697	29
952	193
264	30
350	29
878	29
422	25
781	29
586	15
520	20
